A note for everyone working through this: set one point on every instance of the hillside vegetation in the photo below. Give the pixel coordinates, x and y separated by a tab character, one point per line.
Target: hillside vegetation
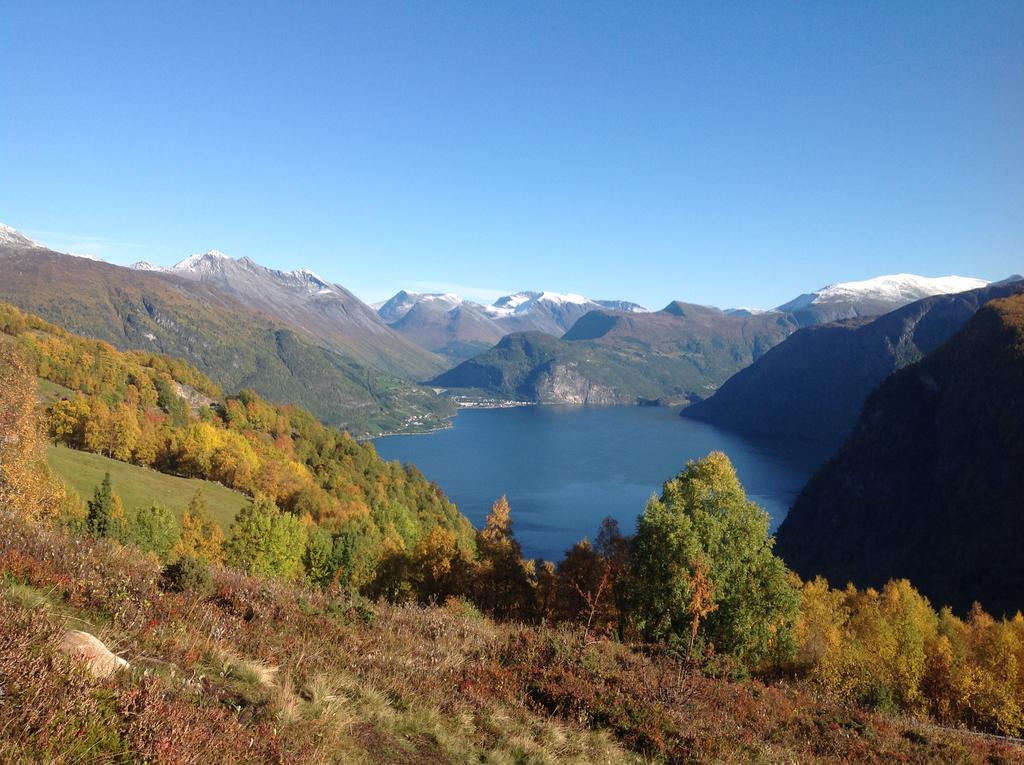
251	670
929	484
139	486
154	411
237	346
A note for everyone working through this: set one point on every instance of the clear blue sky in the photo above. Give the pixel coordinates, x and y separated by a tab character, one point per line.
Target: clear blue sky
727	153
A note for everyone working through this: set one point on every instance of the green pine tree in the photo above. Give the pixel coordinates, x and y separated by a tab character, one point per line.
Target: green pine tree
100	517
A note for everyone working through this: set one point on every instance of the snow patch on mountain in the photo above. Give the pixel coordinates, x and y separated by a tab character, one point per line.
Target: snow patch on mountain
305	273
145	265
86	256
518	304
200	262
523	302
13	237
897	289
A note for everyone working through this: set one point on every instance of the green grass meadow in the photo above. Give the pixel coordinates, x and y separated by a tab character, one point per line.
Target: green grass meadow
139	486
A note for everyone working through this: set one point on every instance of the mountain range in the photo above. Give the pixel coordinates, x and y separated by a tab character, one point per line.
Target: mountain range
614	357
929	484
328	313
679	354
459	329
812	386
290	336
872	297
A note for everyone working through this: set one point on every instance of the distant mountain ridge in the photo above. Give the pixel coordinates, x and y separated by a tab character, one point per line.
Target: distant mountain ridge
459	329
330	314
680	354
872	297
611	357
813	385
265	330
929	484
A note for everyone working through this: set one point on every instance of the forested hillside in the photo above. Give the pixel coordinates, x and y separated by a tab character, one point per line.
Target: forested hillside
929	484
655	646
236	345
151	410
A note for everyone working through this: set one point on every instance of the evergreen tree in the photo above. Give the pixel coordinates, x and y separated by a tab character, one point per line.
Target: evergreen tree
100	518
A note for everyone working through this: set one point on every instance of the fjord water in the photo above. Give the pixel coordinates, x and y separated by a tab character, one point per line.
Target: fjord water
565	468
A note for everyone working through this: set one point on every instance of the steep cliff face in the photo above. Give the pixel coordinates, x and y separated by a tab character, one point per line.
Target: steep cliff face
813	385
568	384
929	485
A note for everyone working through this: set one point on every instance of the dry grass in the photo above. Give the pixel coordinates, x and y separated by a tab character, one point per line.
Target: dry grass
264	672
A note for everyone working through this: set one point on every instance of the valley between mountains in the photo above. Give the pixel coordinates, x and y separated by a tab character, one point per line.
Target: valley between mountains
294	336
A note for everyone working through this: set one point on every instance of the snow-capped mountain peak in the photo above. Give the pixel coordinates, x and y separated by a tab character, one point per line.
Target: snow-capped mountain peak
873	297
13	237
403	301
145	265
897	289
510	303
309	276
559	298
200	261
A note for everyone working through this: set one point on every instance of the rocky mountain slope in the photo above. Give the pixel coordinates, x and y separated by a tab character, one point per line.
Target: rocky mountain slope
929	484
237	345
327	313
813	385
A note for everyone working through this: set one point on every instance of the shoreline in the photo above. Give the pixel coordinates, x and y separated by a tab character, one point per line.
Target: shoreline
450	420
508	404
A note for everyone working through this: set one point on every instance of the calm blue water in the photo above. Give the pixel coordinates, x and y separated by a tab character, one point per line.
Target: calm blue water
565	468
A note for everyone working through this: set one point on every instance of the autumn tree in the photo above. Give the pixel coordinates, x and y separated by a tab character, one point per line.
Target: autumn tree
503	586
201	537
587	577
122	432
96	436
439	569
26	486
67	419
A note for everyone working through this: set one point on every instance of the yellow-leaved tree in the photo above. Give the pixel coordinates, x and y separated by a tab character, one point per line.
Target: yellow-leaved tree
26	486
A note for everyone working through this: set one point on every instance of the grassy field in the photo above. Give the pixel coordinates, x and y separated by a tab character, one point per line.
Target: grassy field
51	391
140	486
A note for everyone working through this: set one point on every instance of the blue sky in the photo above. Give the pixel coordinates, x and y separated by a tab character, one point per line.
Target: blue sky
725	153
